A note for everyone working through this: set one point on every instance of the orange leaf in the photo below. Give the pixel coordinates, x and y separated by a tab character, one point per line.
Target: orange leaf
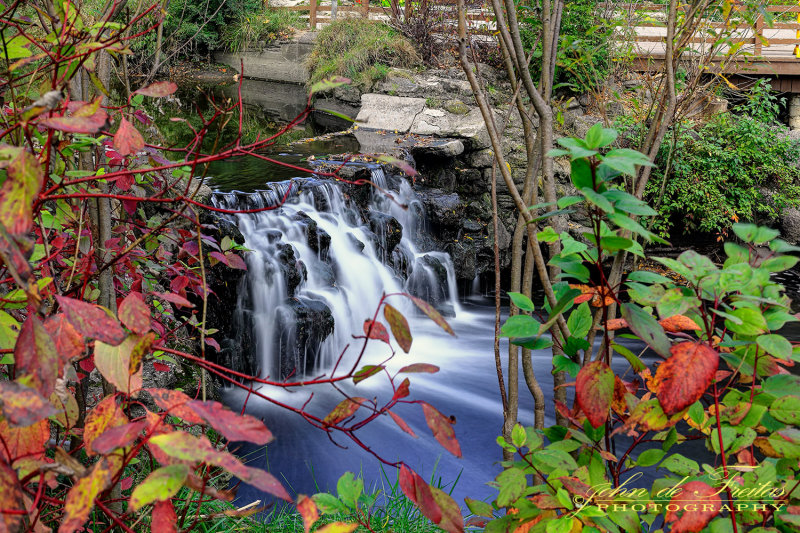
105	415
175	403
402	423
164	518
25	442
399	326
36	357
677	323
616	323
308	510
69	343
22	406
345	409
10	500
683	378
432	502
134	313
92	320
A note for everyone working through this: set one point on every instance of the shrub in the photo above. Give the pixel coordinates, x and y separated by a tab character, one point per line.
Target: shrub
735	167
248	28
360	50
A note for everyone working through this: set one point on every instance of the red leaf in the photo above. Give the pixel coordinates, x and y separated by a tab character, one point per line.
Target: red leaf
126	483
433	314
217	257
402	390
432	502
402	423
134	313
80	498
173	298
442	428
345	409
92	320
69	343
164	518
175	403
19	190
214	344
594	391
403	165
88	118
376	330
185	447
128	140
583	298
234	261
117	437
87	364
683	378
161	367
23	406
158	89
701	497
420	367
677	323
36	357
399	326
232	426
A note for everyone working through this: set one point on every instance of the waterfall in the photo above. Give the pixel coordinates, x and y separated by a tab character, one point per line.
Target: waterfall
319	264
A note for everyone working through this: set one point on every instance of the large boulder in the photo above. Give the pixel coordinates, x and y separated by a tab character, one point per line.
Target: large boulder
304	327
387	230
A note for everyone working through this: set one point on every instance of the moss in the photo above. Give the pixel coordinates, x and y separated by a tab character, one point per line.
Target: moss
433	102
362	50
457	107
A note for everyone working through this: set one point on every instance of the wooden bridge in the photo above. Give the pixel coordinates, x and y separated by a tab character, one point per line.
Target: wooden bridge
761	51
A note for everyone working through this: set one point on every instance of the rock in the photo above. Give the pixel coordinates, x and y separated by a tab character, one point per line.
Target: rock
470	127
387	230
503	236
790	225
289	267
356	242
303	329
471	226
348	93
583	123
428	281
443	148
481	158
442	209
457	107
392	113
317	238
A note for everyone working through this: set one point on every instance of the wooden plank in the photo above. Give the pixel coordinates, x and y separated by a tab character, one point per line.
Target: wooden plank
312	14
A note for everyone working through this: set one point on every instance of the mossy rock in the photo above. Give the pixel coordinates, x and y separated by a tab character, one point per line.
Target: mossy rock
457	107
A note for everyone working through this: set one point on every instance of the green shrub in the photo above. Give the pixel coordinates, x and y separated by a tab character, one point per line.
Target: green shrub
583	59
248	28
361	50
721	173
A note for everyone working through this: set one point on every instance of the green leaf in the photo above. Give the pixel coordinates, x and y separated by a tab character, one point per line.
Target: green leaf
629	203
518	435
614	244
775	345
567	201
520	326
328	84
580	321
479	508
786	409
550	460
597	199
753	322
547	235
647	328
522	301
559	525
754	234
636	364
577	147
678	464
535	343
695	413
162	484
645	276
599	137
349	489
780	263
512	485
565	364
329	504
650	457
581	174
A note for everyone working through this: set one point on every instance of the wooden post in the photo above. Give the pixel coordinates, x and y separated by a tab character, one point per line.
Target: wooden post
312	15
407	13
365	7
759	34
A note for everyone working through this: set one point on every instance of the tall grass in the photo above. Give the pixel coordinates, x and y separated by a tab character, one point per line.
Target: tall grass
248	28
361	50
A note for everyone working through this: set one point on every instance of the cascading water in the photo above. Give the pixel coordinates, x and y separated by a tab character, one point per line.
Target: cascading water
320	263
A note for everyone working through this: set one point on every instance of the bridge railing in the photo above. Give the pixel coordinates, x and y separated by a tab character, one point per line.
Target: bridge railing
320	13
759	40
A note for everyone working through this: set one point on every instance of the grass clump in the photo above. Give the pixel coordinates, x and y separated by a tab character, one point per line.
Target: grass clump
248	28
362	50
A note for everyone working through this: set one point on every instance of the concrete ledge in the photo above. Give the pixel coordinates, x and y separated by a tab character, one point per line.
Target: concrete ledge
284	62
